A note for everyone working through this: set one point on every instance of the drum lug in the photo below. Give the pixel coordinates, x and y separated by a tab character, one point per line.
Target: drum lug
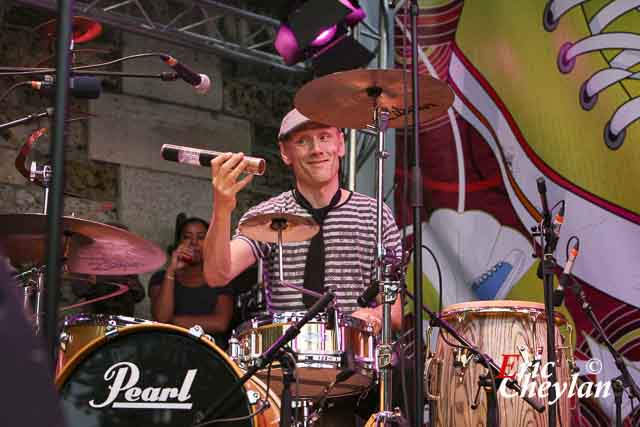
384	356
253	397
196	331
461	359
64	340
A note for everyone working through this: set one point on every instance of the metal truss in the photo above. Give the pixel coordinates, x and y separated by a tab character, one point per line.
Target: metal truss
207	25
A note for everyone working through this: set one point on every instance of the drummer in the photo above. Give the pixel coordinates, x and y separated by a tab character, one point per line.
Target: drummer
345	245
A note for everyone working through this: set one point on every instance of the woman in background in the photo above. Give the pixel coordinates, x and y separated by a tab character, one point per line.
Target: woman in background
180	295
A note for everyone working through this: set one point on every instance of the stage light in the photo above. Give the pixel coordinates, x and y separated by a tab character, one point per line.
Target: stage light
319	30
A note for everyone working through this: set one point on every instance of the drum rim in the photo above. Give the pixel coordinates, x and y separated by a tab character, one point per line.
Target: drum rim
84	352
499	306
100	319
266	321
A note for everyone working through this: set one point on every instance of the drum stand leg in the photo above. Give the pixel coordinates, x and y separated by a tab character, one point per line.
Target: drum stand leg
288	365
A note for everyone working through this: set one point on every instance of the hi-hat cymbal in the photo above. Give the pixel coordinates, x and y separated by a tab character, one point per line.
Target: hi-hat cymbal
344	99
89	247
264	227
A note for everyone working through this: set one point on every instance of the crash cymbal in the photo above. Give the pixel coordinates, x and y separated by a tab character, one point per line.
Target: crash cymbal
89	247
344	99
264	227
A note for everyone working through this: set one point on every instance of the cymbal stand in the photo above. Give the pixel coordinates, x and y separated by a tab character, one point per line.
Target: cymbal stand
279	225
387	287
42	175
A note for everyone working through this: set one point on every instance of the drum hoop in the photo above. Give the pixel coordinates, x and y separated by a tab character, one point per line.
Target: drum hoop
559	317
99	319
82	354
262	323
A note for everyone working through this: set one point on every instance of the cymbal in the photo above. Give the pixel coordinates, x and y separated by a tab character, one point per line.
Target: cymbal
343	99
90	247
263	227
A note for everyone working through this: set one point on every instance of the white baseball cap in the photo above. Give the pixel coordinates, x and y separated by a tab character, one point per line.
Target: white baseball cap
292	121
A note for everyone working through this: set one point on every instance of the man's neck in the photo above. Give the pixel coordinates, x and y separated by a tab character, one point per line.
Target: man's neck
318	197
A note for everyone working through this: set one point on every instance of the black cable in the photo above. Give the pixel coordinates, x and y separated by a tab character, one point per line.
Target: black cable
39	71
263	407
12	88
577	239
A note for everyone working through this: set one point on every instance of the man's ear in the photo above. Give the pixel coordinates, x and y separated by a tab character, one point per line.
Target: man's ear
341	146
283	154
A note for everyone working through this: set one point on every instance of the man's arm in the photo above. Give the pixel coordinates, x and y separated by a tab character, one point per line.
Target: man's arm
224	259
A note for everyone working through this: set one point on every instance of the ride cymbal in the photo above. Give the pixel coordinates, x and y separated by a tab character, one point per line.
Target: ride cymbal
346	99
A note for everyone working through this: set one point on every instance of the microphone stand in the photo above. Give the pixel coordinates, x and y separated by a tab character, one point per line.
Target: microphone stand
486	382
550	241
27	119
275	351
624	380
417	205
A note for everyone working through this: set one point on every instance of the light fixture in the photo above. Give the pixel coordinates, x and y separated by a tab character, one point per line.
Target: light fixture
318	30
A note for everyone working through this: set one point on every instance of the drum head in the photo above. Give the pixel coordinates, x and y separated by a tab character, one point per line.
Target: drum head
149	375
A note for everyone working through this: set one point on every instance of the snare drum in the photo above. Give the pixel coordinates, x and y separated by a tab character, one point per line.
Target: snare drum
514	329
158	375
322	349
78	330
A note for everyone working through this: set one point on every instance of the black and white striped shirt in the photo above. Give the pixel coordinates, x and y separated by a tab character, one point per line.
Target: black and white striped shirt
350	248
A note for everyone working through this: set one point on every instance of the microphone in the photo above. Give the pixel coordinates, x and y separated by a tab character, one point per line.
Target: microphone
542	190
198	157
558	294
85	87
201	82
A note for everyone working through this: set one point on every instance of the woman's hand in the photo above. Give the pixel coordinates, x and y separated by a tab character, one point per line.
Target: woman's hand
180	257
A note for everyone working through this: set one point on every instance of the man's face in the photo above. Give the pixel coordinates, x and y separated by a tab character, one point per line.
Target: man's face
314	154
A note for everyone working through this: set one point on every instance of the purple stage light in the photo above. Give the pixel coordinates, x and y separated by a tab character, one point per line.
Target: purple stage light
325	36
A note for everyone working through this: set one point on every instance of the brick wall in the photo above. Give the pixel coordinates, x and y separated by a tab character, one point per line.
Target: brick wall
112	160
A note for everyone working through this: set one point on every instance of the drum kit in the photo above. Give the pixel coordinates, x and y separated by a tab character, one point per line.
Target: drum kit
121	371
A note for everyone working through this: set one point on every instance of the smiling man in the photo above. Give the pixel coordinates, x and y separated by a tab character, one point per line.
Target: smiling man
340	258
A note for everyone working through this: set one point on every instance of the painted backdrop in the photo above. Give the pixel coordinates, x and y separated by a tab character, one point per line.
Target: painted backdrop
541	89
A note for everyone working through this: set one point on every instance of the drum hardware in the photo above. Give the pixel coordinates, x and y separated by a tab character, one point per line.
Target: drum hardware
196	331
281	228
549	234
461	359
276	350
430	382
308	418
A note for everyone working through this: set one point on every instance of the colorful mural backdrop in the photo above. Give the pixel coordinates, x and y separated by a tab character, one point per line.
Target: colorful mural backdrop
541	89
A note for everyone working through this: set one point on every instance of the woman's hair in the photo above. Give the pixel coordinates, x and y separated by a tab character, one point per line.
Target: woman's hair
181	222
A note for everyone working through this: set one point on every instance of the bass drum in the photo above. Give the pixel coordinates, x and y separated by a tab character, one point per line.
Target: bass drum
155	374
78	330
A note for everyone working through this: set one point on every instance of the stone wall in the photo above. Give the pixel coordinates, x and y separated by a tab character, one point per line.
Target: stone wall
113	166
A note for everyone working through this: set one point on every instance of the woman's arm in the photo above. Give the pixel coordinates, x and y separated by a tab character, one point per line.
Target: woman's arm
215	322
162	298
